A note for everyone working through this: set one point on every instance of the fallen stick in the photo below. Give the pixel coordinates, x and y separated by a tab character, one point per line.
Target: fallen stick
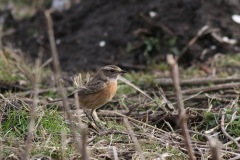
134	139
216	155
9	86
138	106
196	81
210	88
193	40
41	91
147	125
224	131
135	87
221	98
230	142
170	106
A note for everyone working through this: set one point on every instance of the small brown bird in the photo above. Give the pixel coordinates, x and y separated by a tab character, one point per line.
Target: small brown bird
99	90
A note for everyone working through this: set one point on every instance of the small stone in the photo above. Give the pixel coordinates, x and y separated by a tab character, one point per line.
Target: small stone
102	43
236	18
152	14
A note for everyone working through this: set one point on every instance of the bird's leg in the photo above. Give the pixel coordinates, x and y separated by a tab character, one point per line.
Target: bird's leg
93	117
95	121
88	117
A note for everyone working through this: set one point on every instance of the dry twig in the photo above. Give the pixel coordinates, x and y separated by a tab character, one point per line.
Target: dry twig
200	32
224	131
212	129
170	106
181	110
57	75
135	141
138	106
210	88
132	85
33	111
230	142
84	152
221	98
197	81
132	119
215	149
41	91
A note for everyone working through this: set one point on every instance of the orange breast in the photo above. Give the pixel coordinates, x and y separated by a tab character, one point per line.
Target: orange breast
98	99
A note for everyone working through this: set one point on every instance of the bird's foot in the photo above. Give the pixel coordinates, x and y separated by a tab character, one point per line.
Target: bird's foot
100	127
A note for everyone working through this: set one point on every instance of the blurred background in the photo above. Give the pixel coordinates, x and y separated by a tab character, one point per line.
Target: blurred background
129	33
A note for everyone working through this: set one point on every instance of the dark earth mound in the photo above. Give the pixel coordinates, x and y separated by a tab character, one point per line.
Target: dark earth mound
80	29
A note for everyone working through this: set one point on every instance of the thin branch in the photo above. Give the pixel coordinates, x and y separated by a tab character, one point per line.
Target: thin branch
170	105
84	153
192	96
193	40
57	75
224	131
196	81
115	154
181	110
33	111
212	129
46	63
41	91
210	88
2	20
221	98
9	86
132	119
132	85
138	106
135	141
230	142
216	155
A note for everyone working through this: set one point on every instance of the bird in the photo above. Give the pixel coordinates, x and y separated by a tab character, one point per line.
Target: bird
99	90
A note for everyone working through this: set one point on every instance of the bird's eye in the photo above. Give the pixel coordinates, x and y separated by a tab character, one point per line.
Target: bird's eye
111	70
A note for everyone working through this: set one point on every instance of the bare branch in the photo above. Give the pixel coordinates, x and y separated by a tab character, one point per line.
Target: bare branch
211	88
170	105
132	119
135	141
196	81
181	110
132	85
193	40
215	149
57	75
224	131
33	111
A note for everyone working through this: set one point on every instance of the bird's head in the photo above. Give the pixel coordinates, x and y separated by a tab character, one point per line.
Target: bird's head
111	72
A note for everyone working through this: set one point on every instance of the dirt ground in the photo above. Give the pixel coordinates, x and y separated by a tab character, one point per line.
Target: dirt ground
80	29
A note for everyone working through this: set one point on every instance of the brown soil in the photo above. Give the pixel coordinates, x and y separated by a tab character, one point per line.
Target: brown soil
80	29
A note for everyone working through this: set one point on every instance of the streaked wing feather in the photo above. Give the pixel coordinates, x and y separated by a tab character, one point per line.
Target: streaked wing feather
88	88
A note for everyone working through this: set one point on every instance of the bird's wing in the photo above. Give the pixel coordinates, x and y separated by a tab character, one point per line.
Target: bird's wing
89	88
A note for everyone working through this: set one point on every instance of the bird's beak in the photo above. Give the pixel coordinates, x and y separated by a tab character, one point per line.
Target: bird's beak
123	71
